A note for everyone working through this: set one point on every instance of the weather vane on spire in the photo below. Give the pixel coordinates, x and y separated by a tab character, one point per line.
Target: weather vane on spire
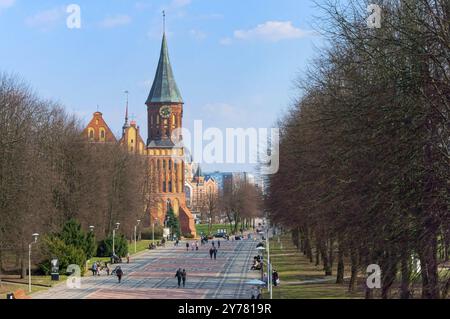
164	21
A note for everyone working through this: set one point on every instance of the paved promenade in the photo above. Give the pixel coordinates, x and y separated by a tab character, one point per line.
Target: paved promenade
151	275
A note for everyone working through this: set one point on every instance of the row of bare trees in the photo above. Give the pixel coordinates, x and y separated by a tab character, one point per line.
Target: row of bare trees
239	203
49	174
365	153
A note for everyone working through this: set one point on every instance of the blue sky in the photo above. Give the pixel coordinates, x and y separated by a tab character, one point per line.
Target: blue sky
235	61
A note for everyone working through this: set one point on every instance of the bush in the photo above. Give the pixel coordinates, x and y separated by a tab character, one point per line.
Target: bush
105	246
188	236
70	246
55	247
146	233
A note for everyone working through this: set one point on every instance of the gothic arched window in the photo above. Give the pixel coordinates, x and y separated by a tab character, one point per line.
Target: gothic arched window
102	134
91	133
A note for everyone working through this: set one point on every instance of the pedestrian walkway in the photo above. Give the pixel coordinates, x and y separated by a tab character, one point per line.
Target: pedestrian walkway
151	275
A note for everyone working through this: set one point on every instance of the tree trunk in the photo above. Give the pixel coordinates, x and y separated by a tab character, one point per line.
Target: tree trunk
340	267
405	292
429	265
353	269
331	255
325	259
388	278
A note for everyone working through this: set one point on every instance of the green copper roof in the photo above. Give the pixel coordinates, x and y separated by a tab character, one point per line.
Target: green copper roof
164	89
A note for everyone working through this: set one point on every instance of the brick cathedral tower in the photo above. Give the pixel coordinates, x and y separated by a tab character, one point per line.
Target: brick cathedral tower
165	153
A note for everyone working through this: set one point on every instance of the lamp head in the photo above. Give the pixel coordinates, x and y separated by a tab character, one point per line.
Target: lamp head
35	236
117	225
138	221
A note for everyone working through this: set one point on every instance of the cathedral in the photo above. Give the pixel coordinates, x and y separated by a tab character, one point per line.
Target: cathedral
163	148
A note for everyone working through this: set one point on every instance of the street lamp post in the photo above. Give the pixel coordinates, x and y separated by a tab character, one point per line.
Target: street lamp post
114	235
91	229
210	225
135	234
153	231
269	266
35	236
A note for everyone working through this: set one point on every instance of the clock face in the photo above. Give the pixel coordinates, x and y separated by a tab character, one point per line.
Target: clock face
165	112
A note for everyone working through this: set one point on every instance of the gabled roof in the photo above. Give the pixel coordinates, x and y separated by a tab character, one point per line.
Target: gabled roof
164	89
96	123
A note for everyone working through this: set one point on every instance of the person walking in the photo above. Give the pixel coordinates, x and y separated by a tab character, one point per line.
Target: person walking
183	277
128	258
275	278
106	268
196	245
193	246
215	253
218	243
119	273
179	276
94	269
211	252
187	246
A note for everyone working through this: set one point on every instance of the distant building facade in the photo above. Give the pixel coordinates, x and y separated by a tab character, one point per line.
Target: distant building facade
165	156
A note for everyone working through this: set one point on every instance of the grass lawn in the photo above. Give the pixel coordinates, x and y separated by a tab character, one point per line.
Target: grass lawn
204	228
23	284
140	245
293	268
46	280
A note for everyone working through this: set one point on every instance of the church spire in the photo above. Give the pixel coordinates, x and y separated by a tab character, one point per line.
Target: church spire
125	125
164	88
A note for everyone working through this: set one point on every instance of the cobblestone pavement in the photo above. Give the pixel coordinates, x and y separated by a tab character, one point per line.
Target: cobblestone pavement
151	275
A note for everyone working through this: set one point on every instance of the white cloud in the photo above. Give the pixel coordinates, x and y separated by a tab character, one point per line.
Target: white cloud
224	111
46	19
226	41
272	31
142	5
179	3
197	34
175	6
115	21
4	4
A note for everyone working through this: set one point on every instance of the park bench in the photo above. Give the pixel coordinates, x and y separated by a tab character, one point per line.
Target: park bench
20	294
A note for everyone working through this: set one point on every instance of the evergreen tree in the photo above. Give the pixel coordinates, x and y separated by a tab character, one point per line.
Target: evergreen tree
173	223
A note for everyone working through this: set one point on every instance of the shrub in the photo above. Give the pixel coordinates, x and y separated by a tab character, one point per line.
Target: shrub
146	233
70	246
120	244
55	247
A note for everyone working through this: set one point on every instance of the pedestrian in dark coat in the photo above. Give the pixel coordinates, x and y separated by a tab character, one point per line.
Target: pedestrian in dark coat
187	246
275	278
119	273
211	252
215	253
179	276
218	243
183	277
